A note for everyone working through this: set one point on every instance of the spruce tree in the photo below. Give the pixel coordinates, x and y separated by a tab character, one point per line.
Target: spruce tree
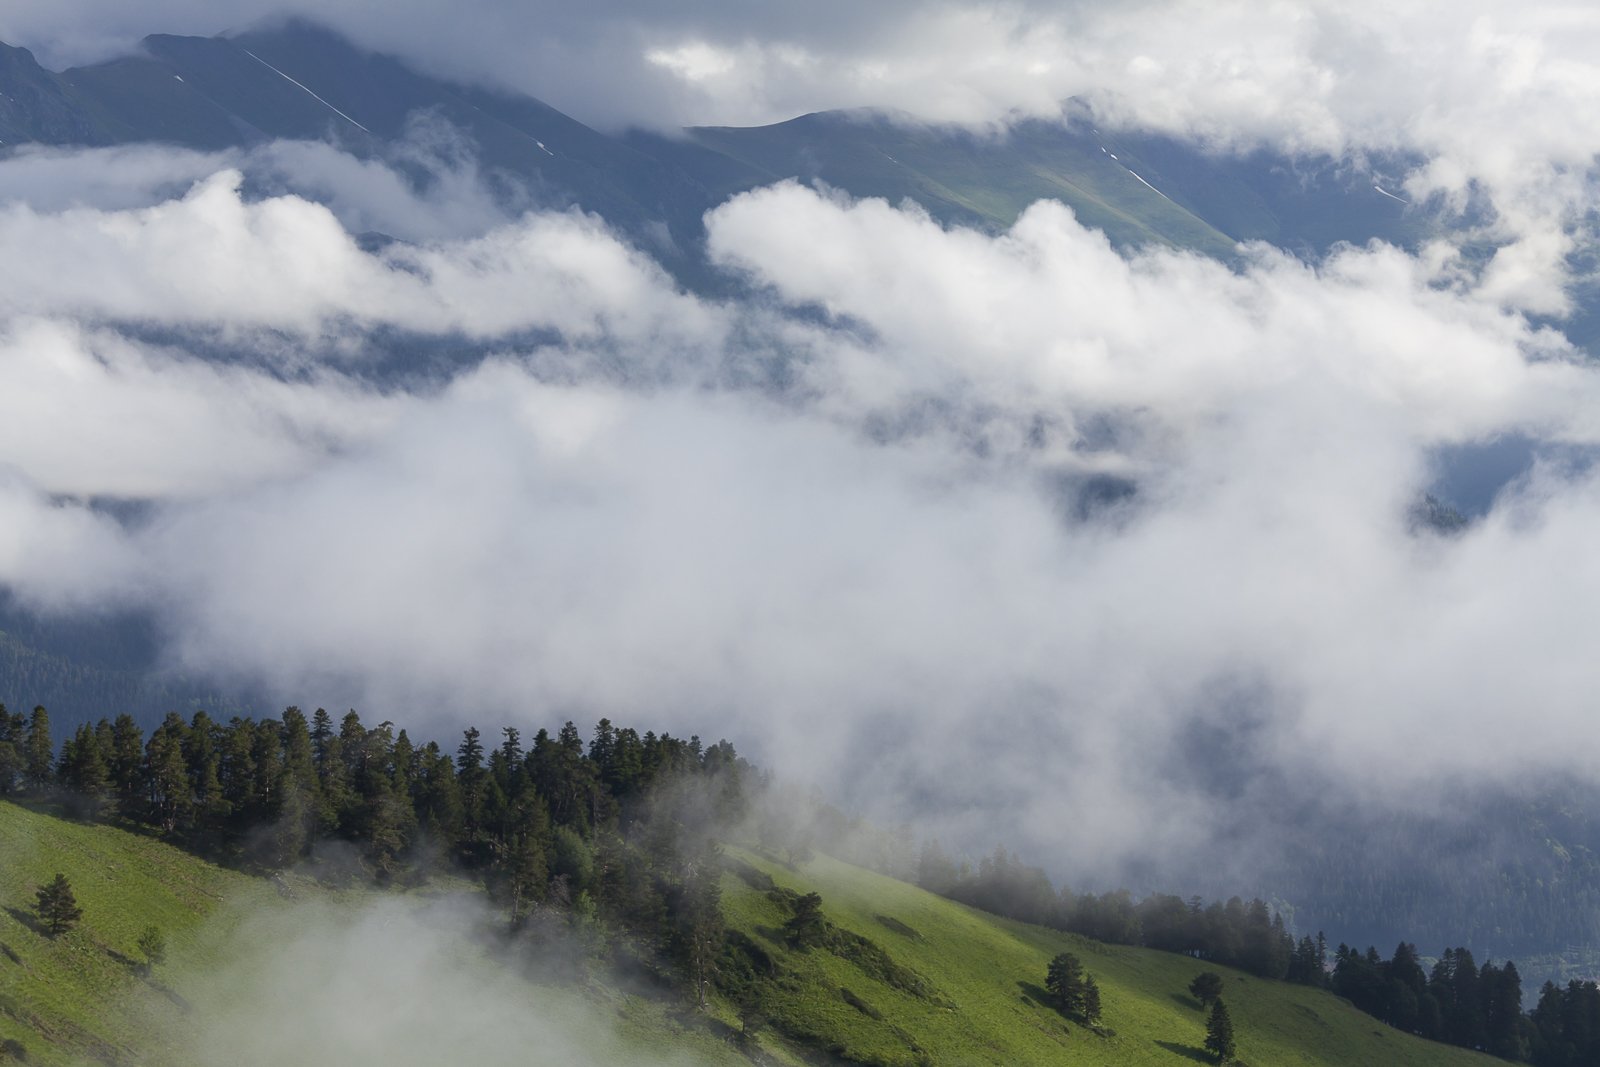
1219	1033
38	751
82	771
1064	980
127	765
12	764
1206	987
1091	1000
58	908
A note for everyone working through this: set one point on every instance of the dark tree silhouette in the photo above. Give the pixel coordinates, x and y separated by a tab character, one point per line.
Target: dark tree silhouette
1065	981
808	927
1206	987
58	908
1091	1000
1219	1033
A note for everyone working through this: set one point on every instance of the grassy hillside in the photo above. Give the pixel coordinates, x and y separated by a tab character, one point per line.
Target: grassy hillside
237	977
984	1003
78	995
925	981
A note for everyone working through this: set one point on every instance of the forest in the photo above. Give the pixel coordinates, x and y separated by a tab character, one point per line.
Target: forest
627	827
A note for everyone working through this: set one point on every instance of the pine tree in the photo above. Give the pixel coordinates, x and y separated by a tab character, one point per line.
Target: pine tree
1065	981
127	764
58	908
167	775
1091	1000
82	771
1206	987
1219	1033
38	750
12	764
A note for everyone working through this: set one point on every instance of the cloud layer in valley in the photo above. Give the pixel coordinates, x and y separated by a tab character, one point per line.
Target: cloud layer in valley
1033	514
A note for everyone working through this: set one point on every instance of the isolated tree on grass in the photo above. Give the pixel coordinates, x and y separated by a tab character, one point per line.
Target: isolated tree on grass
153	945
1065	981
58	908
1091	1000
1219	1033
1206	987
808	927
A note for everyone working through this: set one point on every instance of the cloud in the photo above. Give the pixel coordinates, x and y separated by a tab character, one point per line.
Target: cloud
1494	105
216	259
93	414
992	526
365	195
389	981
1028	518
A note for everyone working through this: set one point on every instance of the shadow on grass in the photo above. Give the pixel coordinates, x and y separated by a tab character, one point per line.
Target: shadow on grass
898	927
774	935
1038	994
1199	1055
28	919
1187	1001
10	953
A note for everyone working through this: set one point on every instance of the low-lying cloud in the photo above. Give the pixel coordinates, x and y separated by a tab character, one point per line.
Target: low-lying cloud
1023	518
392	982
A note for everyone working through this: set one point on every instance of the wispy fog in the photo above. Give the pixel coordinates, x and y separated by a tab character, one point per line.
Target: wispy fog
389	982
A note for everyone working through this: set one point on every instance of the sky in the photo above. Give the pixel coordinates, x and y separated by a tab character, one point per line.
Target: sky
899	576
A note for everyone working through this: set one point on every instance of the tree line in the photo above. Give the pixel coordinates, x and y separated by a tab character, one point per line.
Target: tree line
1456	1002
617	834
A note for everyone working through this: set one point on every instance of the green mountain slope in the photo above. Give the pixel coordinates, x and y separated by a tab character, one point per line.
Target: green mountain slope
235	972
985	1004
929	981
967	178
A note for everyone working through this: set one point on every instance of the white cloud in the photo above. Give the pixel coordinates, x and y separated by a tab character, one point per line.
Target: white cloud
92	414
901	547
900	544
390	982
215	259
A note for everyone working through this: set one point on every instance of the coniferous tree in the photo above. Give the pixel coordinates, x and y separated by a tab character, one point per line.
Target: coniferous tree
12	746
58	908
126	765
202	754
807	927
1065	980
473	780
82	772
1091	1000
39	751
1219	1033
695	915
1206	987
167	774
1503	1021
13	765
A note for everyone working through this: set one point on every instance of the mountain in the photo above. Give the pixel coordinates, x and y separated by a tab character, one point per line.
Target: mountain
1528	870
300	81
85	994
